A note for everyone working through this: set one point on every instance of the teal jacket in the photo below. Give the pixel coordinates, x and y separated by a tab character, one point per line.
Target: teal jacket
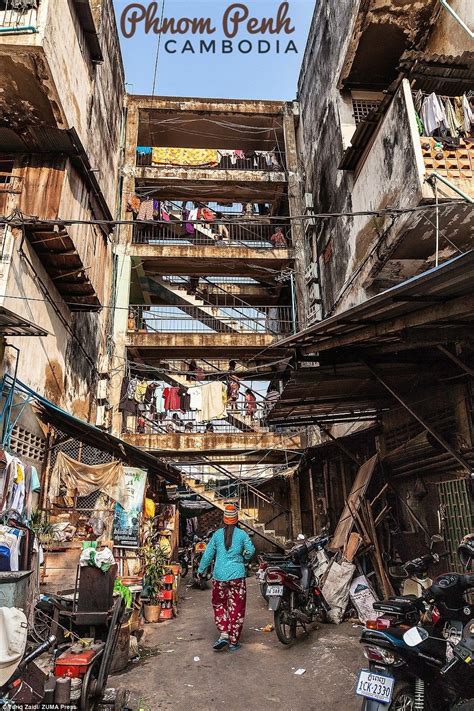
229	564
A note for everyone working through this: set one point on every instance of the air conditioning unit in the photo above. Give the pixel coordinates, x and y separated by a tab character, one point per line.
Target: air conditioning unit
311	272
314	314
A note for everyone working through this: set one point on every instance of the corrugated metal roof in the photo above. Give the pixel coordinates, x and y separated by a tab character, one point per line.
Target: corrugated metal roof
415	297
448	75
36	139
13	325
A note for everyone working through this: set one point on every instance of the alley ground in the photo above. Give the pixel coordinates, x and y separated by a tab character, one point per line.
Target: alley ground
262	674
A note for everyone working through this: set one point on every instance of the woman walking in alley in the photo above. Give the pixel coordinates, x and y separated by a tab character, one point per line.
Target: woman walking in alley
230	548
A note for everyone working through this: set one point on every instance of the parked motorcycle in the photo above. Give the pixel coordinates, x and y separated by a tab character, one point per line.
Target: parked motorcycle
408	678
198	548
184	557
293	590
265	560
413	576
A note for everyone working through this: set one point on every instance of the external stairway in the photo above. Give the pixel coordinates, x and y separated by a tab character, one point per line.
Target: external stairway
246	516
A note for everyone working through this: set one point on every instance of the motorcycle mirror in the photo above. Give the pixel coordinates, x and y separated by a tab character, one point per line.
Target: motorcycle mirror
415	636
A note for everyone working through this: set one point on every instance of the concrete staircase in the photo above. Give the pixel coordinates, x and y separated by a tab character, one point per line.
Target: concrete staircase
247	517
197	308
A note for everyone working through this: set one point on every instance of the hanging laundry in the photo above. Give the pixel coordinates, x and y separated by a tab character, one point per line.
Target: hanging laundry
127	396
184	398
172	399
458	110
468	114
146	210
149	392
185	156
213	407
17	501
140	391
433	115
195	398
133	204
159	400
454	126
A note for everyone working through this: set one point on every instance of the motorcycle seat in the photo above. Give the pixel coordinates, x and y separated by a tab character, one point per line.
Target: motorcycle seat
399	605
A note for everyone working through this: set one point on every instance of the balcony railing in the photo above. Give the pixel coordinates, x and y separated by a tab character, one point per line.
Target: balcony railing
250	234
271	320
212	160
18	16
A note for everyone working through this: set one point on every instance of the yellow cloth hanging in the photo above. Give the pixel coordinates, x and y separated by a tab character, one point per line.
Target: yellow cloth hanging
185	156
150	508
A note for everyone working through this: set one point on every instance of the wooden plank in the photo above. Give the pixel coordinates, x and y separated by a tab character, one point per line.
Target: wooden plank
358	490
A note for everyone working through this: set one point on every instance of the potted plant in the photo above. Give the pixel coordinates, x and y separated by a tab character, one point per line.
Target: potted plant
154	563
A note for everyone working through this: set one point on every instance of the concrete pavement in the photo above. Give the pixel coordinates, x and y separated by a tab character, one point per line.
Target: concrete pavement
180	671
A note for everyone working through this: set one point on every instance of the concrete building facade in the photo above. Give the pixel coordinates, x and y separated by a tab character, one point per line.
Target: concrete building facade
61	122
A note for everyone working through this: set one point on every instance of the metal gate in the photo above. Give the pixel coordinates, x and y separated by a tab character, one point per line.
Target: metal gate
457	515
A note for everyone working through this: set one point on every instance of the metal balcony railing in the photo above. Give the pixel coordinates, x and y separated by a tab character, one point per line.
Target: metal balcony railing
249	234
225	160
271	320
18	16
146	423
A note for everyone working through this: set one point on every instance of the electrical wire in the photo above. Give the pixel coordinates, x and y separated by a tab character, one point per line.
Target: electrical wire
155	71
14	220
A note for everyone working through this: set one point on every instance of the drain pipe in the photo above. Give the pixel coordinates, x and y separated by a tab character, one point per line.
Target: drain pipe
28	30
454	14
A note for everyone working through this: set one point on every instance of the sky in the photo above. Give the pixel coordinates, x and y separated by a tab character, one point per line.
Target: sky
269	75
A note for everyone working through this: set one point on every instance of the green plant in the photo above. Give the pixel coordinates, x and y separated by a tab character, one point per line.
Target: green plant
42	528
155	560
124	592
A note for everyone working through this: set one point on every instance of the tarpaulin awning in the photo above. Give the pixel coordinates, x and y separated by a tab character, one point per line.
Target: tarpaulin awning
89	434
432	306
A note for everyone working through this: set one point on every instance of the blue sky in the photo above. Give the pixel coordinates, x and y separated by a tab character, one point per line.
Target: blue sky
271	75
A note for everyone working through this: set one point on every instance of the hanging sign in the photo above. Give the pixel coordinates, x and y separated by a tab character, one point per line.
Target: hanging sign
126	531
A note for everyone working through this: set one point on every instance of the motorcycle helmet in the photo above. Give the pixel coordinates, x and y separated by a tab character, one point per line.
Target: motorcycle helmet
466	550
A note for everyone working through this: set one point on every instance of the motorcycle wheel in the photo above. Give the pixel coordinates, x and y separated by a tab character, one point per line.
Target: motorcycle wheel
263	588
202	584
403	697
285	630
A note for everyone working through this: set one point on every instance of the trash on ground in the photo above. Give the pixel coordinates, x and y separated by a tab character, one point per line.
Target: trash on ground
300	672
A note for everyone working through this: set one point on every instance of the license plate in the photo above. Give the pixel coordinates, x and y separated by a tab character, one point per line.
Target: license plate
375	686
276	590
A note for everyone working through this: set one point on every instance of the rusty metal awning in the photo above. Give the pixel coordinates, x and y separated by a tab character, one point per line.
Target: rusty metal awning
433	307
13	325
59	256
444	74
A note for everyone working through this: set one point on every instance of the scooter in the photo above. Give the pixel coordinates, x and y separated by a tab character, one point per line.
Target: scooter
413	575
199	546
409	678
458	674
293	590
320	562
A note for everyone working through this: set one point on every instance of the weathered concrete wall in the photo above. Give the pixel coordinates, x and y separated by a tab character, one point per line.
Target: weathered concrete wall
221	442
55	365
448	37
391	172
49	79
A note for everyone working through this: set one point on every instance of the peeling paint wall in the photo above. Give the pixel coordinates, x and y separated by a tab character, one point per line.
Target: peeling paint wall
391	171
49	80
